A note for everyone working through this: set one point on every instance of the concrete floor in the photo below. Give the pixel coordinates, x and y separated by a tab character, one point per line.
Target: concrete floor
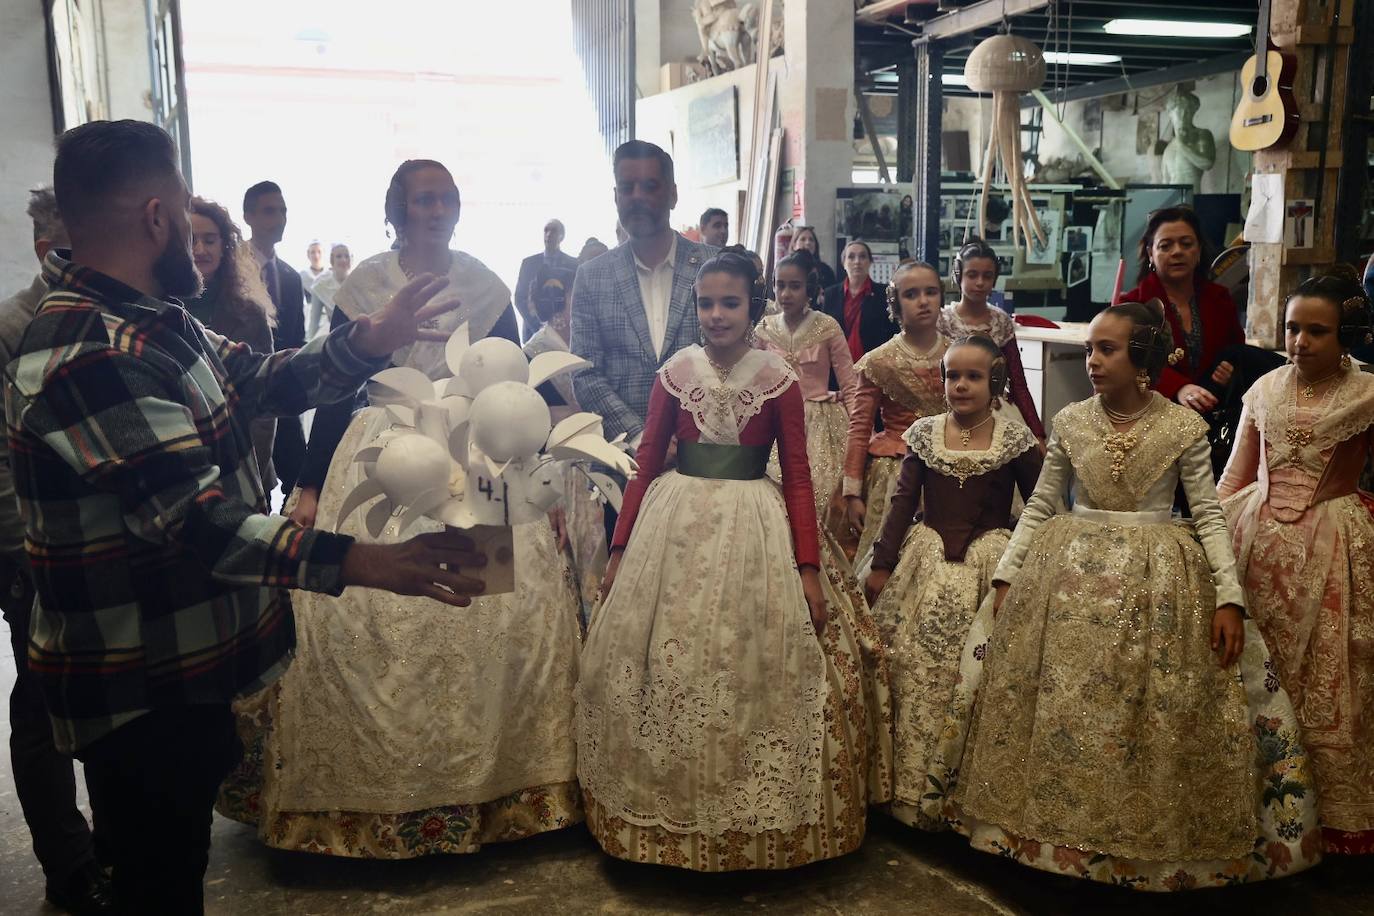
897	871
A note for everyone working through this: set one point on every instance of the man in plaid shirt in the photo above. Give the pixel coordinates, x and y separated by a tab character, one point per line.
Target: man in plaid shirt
159	573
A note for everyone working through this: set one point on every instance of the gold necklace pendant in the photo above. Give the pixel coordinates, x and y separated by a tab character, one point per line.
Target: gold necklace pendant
1298	439
1117	445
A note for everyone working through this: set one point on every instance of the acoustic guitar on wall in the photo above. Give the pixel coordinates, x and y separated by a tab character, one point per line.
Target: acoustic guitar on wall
1267	114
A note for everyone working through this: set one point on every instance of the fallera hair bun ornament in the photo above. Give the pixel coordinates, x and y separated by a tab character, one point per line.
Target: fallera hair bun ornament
1176	357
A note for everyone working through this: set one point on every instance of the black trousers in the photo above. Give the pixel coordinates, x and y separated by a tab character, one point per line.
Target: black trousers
288	452
44	778
154	783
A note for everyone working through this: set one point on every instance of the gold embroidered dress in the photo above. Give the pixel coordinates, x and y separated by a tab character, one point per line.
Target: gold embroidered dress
1304	540
1106	741
814	350
941	561
715	731
898	386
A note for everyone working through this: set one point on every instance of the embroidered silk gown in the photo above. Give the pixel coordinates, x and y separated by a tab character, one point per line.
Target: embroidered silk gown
815	349
1106	741
1001	330
941	570
715	730
898	386
405	727
1304	540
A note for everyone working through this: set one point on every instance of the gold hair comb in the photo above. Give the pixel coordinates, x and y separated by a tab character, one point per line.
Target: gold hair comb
1176	357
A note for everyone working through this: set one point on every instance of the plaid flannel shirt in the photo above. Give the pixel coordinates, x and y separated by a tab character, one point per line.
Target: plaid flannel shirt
160	575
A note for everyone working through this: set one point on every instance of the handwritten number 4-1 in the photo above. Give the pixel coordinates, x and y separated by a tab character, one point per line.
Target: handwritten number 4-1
487	487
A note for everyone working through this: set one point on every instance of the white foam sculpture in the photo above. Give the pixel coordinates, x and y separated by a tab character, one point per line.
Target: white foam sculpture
479	448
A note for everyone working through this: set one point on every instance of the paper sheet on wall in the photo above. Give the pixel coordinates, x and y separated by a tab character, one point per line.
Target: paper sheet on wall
1264	222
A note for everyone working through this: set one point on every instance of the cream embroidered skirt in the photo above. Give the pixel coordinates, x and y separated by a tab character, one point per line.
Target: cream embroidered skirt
406	727
715	731
924	616
1108	744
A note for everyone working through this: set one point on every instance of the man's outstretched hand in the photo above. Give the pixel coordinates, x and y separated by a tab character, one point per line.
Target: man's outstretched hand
432	565
402	320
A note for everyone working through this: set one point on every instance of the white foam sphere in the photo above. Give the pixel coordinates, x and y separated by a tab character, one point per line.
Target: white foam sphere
492	360
509	420
410	465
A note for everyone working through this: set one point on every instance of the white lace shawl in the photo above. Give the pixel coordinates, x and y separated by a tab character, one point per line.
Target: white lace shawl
721	409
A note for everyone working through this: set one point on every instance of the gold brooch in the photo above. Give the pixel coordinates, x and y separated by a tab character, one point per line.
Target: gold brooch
1176	357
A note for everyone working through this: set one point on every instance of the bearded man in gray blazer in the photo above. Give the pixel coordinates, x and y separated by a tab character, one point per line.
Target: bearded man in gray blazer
632	307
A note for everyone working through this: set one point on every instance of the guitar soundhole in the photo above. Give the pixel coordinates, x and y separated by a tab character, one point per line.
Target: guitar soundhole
1259	86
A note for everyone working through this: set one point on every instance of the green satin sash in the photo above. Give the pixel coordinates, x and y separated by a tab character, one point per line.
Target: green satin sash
722	462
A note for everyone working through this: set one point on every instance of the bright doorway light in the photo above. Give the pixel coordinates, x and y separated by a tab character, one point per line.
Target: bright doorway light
1175	28
953	79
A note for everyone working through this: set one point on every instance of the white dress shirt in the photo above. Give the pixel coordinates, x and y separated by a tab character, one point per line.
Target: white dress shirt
656	289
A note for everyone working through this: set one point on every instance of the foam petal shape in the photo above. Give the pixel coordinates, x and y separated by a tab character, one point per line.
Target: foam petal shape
594	448
377	517
553	363
412	383
401	414
608	488
457	345
364	491
422	505
576	425
370	453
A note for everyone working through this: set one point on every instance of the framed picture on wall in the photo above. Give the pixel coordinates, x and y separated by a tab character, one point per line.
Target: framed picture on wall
713	138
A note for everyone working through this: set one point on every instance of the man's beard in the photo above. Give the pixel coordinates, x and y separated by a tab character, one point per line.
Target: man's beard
176	272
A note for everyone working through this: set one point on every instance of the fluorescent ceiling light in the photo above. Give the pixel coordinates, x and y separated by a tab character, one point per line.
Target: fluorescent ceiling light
1077	58
953	79
1174	28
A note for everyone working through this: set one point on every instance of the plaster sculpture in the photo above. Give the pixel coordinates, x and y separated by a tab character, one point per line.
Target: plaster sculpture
1193	150
720	28
478	449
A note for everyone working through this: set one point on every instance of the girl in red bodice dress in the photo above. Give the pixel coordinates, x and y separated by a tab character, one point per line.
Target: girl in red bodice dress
721	713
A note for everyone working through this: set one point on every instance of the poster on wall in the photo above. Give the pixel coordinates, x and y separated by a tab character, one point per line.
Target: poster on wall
1046	252
713	138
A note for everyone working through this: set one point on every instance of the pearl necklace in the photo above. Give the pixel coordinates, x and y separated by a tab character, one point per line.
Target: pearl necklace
966	432
939	339
722	372
411	274
1116	417
1118	444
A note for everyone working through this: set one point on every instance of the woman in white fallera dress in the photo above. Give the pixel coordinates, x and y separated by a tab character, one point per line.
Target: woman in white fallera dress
403	728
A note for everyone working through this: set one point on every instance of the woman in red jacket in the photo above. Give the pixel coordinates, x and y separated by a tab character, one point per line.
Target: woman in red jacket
1201	313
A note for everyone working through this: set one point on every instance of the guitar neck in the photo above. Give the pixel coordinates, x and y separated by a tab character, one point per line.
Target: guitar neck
1262	41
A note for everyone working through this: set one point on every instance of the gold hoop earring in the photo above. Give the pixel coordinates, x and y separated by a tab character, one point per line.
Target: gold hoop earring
1345	362
1142	381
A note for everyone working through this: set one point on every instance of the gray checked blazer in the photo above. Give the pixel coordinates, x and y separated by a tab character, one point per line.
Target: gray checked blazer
611	331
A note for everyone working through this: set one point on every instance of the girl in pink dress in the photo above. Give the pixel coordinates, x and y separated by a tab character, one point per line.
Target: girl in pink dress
1304	540
813	344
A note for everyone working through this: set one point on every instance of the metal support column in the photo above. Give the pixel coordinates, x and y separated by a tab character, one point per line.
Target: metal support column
906	120
929	95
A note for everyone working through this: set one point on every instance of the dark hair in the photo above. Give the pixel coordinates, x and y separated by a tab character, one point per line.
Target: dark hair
802	259
232	278
259	190
643	149
736	261
1175	215
974	247
395	205
1342	288
1152	340
997	372
551	293
100	159
711	213
894	308
796	234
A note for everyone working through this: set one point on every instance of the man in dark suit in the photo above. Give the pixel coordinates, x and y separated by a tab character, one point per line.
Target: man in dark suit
632	306
859	303
264	210
552	256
